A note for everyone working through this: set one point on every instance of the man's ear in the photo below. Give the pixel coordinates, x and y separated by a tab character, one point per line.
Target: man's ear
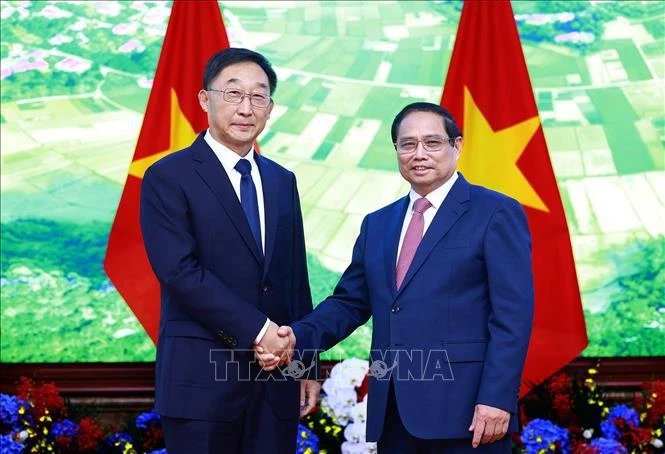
458	145
204	100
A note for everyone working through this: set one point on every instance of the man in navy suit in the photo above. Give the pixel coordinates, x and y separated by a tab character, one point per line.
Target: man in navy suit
445	272
223	230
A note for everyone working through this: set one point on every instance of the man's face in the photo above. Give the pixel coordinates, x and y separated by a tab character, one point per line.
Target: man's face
236	125
426	170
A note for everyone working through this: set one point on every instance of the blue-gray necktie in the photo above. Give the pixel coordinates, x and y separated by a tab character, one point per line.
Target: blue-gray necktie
249	201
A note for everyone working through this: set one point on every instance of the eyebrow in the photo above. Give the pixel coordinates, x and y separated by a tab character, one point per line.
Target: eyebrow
428	136
235	80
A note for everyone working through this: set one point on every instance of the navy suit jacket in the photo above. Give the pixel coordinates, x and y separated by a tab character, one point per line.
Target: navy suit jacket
457	330
216	290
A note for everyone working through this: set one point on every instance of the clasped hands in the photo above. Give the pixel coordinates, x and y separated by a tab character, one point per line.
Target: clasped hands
276	347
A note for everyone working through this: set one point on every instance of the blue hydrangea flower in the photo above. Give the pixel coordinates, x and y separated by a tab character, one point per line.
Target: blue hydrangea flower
306	440
9	446
626	413
609	428
158	451
9	406
148	419
608	446
64	428
541	435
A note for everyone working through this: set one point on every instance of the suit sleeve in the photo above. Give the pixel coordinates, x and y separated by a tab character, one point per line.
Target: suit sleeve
336	317
507	247
172	251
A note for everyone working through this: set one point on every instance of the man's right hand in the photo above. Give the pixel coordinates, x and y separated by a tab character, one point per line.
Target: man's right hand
276	347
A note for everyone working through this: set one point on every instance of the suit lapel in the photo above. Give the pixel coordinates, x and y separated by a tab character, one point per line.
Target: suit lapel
270	204
393	231
212	172
453	207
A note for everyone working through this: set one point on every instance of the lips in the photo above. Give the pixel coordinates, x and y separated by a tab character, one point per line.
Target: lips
420	170
243	126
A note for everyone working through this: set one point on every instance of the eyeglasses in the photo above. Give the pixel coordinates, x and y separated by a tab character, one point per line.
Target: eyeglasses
234	96
408	146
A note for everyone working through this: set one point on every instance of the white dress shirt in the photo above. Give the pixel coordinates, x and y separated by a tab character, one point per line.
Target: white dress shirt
436	198
229	158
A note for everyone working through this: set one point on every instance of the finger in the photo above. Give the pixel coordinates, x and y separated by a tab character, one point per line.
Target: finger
284	331
307	399
266	357
268	362
303	393
504	428
269	367
473	421
501	428
292	343
271	362
311	399
478	433
488	433
306	408
258	349
496	436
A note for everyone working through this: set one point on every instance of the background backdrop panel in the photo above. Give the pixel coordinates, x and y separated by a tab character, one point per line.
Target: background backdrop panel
76	79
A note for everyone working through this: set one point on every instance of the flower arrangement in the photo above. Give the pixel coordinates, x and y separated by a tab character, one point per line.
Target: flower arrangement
343	409
562	415
568	415
35	420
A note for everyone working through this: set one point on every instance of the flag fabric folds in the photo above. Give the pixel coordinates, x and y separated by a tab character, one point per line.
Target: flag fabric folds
172	118
488	92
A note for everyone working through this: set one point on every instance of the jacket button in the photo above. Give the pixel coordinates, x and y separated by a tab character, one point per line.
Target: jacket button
265	288
395	309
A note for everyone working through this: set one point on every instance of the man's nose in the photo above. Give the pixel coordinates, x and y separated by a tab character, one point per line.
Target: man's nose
245	106
420	152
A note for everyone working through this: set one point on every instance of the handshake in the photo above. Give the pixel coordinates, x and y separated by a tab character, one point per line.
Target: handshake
276	347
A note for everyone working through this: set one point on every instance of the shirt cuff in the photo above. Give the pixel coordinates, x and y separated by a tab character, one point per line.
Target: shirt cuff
263	331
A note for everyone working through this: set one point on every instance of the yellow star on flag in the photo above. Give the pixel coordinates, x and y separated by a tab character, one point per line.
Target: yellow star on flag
181	136
489	158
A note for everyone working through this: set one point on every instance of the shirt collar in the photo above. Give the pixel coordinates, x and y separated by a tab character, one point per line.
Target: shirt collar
226	156
437	196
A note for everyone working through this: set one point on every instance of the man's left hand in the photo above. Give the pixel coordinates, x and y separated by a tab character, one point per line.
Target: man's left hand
309	393
489	424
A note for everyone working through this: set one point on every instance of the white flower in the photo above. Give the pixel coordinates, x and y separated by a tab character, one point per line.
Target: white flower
350	372
358	448
341	396
342	420
588	433
359	412
657	443
355	432
339	404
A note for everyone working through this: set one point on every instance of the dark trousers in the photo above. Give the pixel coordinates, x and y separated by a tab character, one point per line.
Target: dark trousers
256	431
395	439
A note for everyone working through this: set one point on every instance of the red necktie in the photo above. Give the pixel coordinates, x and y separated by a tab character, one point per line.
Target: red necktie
414	233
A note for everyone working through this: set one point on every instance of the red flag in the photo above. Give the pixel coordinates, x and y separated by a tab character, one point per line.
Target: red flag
489	93
173	116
